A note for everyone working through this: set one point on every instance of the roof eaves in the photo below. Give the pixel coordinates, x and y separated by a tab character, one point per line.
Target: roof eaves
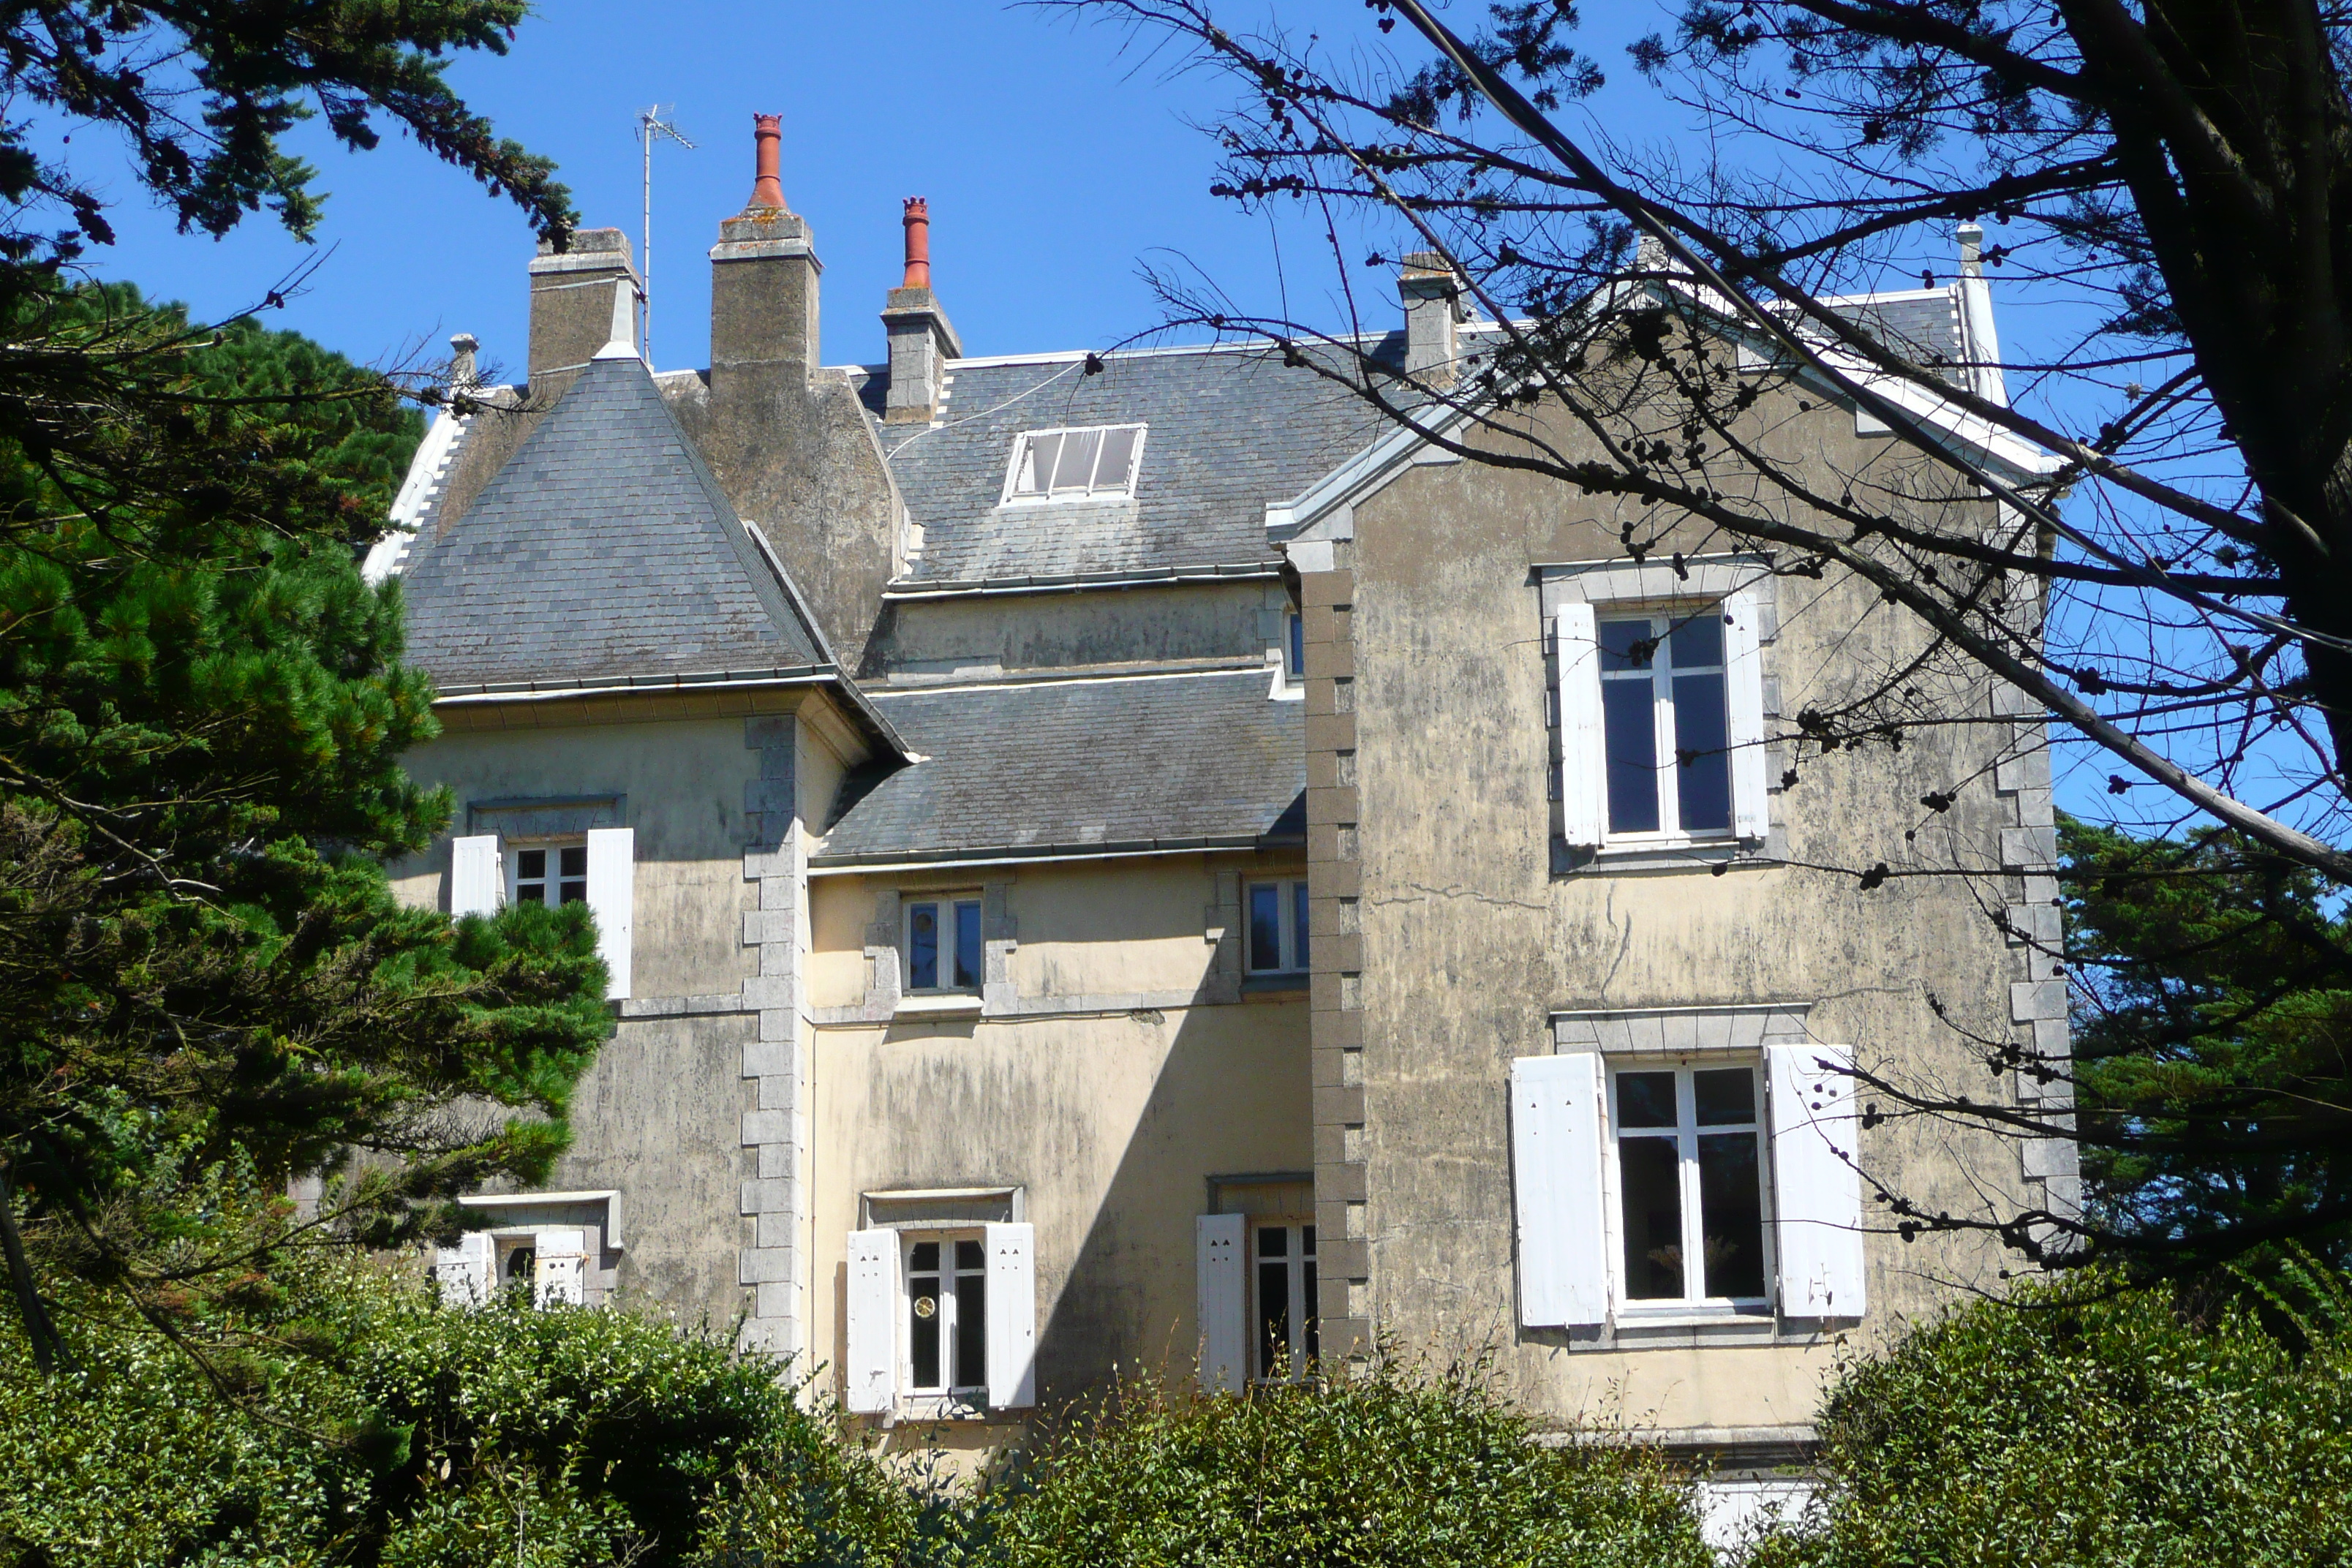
906	588
891	860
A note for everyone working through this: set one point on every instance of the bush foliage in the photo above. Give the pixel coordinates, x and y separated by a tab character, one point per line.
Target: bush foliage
2076	1426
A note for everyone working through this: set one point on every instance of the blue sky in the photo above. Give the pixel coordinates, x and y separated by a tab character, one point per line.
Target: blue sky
1057	157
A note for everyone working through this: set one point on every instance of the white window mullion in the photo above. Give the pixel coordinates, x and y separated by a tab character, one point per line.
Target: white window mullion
1686	1167
1662	684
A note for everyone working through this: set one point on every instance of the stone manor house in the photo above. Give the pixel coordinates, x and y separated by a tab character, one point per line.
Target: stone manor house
1136	860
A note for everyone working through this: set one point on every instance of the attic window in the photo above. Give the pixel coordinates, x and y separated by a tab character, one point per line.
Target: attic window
1071	465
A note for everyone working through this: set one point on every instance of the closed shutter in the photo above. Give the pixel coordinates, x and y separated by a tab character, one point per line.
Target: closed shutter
463	1274
1583	739
1011	1316
560	1269
1816	1184
1555	1165
1223	1309
872	1358
478	882
1743	691
612	894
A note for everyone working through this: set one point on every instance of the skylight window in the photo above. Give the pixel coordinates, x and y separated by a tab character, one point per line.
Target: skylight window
1071	465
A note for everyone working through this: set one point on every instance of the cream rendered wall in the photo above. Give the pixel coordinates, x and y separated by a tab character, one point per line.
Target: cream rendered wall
1112	1121
1470	941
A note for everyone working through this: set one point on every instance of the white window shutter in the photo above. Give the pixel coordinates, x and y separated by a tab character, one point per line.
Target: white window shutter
1555	1163
1011	1316
1583	740
1816	1184
612	893
560	1271
464	1274
1743	691
478	882
872	1358
1223	1307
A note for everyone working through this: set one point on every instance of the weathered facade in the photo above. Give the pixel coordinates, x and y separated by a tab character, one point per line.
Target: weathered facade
1133	861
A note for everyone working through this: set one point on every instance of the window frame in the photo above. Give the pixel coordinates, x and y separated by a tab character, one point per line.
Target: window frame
511	852
1292	931
1665	722
1302	1284
1684	1134
949	910
1024	441
949	1316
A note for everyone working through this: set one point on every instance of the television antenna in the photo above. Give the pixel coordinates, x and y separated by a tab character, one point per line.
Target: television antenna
651	128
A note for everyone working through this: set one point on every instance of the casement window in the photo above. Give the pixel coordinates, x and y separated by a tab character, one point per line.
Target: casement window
1661	724
1690	1185
943	949
1075	465
947	1318
598	869
1295	648
1276	913
1697	1187
1283	1308
550	1264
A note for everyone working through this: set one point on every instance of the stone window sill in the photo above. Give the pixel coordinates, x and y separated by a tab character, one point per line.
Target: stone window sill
945	1005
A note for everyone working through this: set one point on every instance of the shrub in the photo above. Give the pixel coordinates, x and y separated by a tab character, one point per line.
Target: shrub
2079	1425
1401	1467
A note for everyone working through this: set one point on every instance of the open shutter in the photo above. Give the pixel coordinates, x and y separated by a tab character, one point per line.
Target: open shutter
612	893
873	1359
478	882
1556	1162
1224	1316
1743	691
1816	1184
560	1269
463	1273
1583	742
1011	1316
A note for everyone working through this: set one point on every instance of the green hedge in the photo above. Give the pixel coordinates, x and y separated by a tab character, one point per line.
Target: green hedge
2076	1426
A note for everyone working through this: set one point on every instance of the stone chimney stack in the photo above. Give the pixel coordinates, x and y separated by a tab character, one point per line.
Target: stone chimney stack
923	339
763	288
572	306
1432	310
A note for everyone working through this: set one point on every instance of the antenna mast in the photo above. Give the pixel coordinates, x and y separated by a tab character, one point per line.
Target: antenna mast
650	127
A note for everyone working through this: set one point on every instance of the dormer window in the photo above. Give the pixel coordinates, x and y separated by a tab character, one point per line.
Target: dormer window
1075	465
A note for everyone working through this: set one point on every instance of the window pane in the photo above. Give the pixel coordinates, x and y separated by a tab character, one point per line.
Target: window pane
1273	1319
1630	730
574	859
971	1320
1298	922
1076	467
1646	1100
1727	1095
1702	739
530	864
967	946
923	947
1265	926
1273	1241
1626	645
1037	475
573	893
1653	1219
1696	641
1731	1214
926	1259
923	1313
1117	457
1297	647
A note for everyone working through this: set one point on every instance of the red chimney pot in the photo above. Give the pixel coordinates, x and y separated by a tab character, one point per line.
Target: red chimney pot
918	243
768	187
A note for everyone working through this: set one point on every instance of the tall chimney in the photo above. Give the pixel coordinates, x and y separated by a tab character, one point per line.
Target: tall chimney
922	339
764	286
572	306
1432	310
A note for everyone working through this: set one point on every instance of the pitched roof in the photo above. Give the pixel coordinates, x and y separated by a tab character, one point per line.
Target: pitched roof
1231	429
602	548
1102	766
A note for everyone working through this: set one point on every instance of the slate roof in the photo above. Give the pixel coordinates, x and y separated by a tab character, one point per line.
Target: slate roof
1231	430
1087	767
1924	324
602	549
